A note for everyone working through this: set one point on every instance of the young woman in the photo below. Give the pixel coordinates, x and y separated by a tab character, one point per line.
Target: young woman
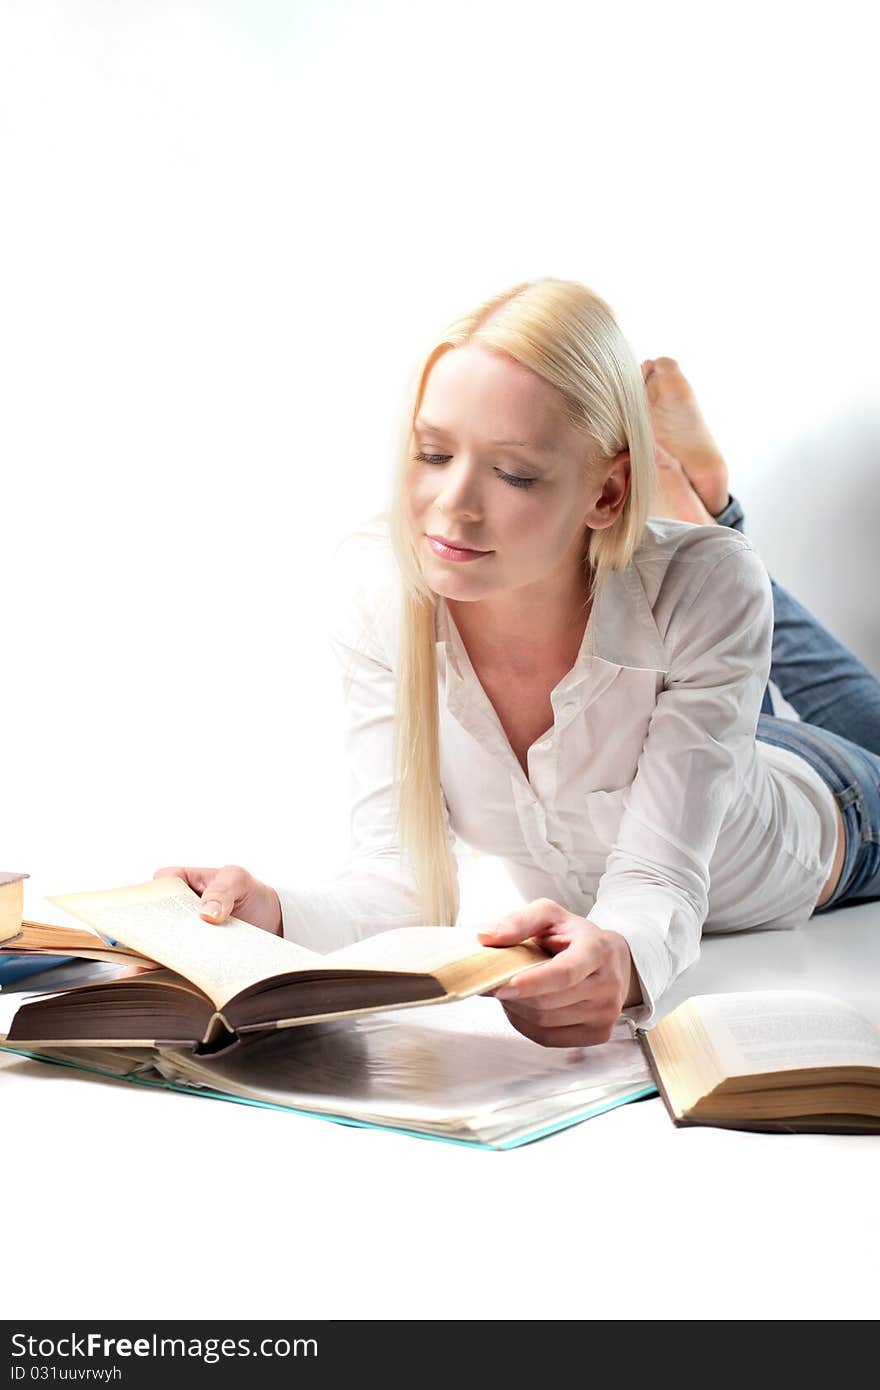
535	665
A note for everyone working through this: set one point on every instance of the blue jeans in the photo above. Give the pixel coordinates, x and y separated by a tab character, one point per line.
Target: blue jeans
838	701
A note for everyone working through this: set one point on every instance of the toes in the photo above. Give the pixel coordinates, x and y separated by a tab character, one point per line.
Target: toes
667	385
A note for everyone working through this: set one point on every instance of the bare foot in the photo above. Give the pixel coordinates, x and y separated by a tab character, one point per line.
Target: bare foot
681	430
675	497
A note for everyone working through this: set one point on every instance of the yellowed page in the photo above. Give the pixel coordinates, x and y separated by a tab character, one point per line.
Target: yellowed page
161	919
114	1061
781	1030
42	938
422	950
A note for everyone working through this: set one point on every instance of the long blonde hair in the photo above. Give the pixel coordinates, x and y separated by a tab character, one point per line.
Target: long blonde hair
569	337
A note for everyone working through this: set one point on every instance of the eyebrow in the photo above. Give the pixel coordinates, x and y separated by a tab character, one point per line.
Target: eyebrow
425	425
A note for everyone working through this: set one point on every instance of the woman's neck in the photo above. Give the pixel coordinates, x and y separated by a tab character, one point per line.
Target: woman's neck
523	637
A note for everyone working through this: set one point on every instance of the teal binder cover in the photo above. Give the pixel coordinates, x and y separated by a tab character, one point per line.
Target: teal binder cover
642	1092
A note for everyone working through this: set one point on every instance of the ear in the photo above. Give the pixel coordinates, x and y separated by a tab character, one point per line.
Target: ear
615	489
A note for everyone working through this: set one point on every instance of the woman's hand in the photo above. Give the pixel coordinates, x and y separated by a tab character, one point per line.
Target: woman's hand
574	1000
231	891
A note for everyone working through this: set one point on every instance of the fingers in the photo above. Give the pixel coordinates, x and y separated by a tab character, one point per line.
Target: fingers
579	952
581	1034
593	1001
548	1022
580	1018
220	895
574	998
196	878
219	889
572	967
595	996
525	922
549	1003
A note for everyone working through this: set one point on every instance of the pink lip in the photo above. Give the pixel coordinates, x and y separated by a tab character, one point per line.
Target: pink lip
447	551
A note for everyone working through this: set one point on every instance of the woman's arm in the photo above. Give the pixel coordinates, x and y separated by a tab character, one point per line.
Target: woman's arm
655	889
645	925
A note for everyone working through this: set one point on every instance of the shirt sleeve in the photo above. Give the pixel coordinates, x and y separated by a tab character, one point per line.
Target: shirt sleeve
377	890
655	889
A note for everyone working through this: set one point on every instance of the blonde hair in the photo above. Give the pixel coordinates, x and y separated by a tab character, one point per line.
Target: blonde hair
569	337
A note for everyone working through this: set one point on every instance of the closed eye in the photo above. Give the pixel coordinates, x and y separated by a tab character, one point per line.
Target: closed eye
510	478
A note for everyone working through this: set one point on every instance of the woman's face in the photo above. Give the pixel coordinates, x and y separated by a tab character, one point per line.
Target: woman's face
499	470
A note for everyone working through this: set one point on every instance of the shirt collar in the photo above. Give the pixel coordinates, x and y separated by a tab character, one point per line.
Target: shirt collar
626	633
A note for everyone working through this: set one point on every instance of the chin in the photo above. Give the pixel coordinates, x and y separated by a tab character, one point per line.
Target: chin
454	586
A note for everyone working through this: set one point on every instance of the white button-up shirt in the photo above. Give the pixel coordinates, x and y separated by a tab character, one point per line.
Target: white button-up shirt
649	807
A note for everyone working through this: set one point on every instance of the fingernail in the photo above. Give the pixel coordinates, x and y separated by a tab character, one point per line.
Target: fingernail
507	992
211	909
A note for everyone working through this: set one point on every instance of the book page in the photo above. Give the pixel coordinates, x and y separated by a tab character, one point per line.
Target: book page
781	1030
447	1075
41	938
11	1003
419	949
161	919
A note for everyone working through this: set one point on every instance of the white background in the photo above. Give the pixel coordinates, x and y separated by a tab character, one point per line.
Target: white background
229	232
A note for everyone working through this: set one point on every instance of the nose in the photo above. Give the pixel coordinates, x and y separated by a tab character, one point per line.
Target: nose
459	490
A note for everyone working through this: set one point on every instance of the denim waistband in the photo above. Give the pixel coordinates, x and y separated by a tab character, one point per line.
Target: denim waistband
853	776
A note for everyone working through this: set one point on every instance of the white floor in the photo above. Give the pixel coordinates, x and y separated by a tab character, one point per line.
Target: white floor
120	1201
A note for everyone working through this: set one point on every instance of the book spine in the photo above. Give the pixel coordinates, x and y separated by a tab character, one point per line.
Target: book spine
219	1036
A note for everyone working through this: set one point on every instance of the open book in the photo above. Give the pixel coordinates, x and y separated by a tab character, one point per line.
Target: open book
460	1074
778	1059
220	982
